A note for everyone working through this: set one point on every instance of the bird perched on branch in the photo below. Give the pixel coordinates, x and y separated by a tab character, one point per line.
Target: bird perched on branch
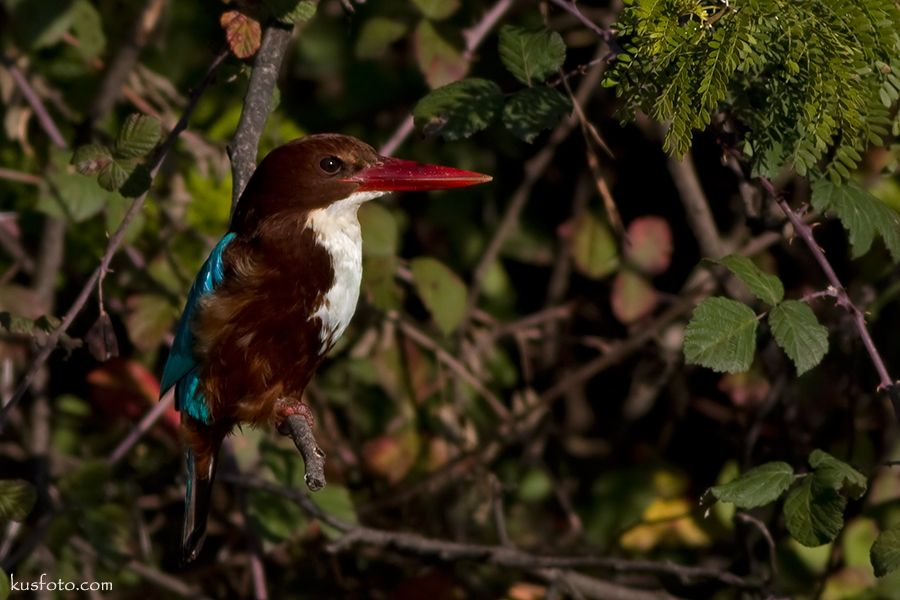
275	294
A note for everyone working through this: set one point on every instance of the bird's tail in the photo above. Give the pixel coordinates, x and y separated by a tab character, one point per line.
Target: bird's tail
201	473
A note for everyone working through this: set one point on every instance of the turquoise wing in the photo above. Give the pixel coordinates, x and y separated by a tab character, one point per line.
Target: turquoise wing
182	370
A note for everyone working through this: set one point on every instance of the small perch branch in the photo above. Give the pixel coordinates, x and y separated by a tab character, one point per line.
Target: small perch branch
43	117
257	106
298	428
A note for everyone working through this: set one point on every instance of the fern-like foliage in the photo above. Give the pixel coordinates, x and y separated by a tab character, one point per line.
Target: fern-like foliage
808	82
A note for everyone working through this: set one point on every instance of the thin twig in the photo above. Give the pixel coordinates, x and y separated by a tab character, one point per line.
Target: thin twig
842	299
570	7
114	242
143	426
257	106
767	535
37	105
20	177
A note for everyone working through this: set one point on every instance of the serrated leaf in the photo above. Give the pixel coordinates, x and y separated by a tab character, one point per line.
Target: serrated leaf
837	474
377	34
439	60
757	487
380	232
138	136
649	244
442	292
242	33
593	247
90	159
721	336
437	9
814	513
632	296
459	109
292	12
862	214
17	498
885	552
764	286
532	110
799	333
112	176
531	55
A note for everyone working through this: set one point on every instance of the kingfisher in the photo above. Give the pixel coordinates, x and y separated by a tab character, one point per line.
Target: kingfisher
275	294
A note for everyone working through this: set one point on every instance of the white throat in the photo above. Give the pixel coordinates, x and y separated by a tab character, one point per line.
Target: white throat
337	230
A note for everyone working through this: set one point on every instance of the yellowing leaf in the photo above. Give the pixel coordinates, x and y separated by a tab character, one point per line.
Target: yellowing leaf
632	296
669	524
439	60
593	247
242	33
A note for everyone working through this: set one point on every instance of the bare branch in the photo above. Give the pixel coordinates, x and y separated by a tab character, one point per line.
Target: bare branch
298	428
257	106
37	105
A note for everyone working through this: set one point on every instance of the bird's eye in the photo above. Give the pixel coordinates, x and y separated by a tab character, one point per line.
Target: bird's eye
331	164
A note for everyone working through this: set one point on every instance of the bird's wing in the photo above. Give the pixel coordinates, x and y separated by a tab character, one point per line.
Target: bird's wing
182	369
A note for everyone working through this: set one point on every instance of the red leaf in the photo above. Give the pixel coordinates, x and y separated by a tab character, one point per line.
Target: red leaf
392	456
125	389
649	246
632	296
242	32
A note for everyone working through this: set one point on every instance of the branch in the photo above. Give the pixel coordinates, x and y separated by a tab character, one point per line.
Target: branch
499	555
842	299
257	106
40	111
298	428
114	242
143	426
570	7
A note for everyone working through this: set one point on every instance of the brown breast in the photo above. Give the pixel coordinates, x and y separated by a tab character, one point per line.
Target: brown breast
256	343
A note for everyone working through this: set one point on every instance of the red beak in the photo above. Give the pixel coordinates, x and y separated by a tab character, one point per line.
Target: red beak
397	175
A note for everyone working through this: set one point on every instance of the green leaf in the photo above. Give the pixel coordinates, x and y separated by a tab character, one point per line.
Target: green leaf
149	319
439	60
378	281
757	487
275	518
593	247
90	159
76	197
721	336
336	501
437	9
459	109
138	136
380	232
837	474
764	286
377	34
532	110
113	175
862	214
799	333
442	291
4	585
534	486
885	552
531	55
814	512
41	24
17	498
292	12
88	29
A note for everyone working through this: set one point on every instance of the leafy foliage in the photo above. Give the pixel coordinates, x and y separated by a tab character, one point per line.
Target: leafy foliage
531	55
767	288
17	498
721	335
757	487
825	71
862	214
459	109
799	333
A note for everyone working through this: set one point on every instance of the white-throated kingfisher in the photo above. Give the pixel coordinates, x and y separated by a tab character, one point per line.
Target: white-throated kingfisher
275	294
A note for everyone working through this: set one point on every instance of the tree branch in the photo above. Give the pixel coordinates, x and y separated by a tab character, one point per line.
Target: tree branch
298	428
886	383
40	111
257	106
114	242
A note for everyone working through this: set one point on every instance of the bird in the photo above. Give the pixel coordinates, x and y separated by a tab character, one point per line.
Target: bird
275	294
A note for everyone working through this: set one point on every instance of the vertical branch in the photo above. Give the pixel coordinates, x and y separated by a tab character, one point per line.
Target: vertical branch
257	106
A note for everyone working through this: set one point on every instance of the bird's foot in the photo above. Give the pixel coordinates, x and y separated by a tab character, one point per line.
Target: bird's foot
285	407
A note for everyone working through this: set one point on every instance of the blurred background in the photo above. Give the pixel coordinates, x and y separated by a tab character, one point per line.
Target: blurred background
511	355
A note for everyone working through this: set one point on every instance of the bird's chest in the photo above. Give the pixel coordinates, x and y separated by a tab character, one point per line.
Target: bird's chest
337	231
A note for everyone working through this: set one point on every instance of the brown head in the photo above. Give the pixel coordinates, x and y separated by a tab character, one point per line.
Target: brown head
318	170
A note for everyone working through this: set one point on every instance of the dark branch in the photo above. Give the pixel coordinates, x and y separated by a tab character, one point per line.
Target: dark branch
298	428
